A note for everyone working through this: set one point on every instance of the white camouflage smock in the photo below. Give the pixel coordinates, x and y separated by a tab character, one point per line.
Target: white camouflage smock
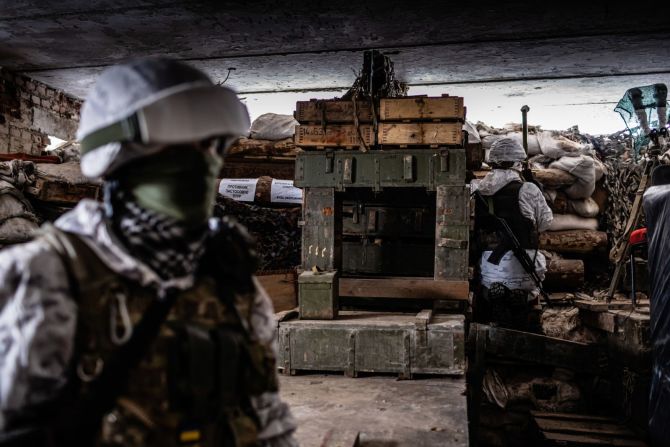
534	207
38	319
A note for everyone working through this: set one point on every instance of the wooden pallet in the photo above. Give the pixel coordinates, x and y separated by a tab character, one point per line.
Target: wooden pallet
421	108
420	134
329	111
342	136
405	288
577	430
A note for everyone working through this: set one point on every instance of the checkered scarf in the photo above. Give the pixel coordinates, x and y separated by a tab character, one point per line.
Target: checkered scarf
165	244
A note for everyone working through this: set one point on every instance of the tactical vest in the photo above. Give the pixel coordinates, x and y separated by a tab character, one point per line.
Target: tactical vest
505	205
169	401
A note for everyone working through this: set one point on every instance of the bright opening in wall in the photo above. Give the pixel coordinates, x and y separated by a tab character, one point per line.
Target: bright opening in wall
54	143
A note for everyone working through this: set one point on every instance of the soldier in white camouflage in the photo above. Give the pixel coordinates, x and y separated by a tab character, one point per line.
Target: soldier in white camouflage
137	321
507	288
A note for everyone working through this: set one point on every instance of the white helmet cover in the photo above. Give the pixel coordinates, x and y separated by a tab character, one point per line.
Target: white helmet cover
506	149
150	103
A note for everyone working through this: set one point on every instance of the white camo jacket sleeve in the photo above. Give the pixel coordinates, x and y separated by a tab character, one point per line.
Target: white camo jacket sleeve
276	420
533	206
37	325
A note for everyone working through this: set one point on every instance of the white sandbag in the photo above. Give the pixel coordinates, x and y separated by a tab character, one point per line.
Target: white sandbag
585	207
17	220
581	167
557	146
563	222
271	126
473	134
533	145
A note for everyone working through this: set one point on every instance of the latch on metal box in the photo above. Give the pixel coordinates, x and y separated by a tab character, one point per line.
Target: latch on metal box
408	168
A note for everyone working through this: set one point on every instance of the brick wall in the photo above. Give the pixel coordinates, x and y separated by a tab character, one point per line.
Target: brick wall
30	111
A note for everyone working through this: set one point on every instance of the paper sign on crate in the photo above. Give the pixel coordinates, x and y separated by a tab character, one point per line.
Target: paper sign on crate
283	191
240	189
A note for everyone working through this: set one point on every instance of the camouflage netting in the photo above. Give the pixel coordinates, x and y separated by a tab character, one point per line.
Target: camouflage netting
276	231
621	183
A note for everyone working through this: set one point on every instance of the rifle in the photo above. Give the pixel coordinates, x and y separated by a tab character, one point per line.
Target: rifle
519	252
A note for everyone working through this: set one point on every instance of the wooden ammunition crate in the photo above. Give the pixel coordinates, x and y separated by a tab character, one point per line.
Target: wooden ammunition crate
374	343
334	136
422	108
420	134
317	111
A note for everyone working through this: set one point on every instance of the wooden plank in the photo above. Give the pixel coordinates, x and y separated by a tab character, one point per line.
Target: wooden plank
334	136
603	306
330	111
592	305
422	108
412	288
582	439
543	350
420	134
584	426
570	416
604	321
561	297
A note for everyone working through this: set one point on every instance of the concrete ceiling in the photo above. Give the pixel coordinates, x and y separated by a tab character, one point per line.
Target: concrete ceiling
292	46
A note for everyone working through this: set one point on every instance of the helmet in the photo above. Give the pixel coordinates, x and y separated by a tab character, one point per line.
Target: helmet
136	109
506	149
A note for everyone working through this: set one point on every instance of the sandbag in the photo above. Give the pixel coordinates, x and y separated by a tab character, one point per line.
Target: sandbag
585	207
582	167
563	222
271	126
18	222
18	172
557	146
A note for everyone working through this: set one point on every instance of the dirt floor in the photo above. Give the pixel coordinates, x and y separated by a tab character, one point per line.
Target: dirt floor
332	409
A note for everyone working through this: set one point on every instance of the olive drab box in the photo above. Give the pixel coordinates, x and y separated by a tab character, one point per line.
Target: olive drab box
404	344
318	295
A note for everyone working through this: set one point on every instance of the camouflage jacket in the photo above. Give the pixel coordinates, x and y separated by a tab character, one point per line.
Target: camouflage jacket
39	320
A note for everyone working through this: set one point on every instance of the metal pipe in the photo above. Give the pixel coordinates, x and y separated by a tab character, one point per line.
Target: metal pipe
524	127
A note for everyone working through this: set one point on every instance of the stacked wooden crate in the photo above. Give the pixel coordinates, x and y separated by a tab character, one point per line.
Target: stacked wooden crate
405	122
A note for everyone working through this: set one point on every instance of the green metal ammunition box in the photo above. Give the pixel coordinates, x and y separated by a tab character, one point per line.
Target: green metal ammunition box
416	168
318	295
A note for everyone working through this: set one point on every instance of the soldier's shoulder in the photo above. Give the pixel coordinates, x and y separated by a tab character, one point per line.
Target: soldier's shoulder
34	254
530	188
